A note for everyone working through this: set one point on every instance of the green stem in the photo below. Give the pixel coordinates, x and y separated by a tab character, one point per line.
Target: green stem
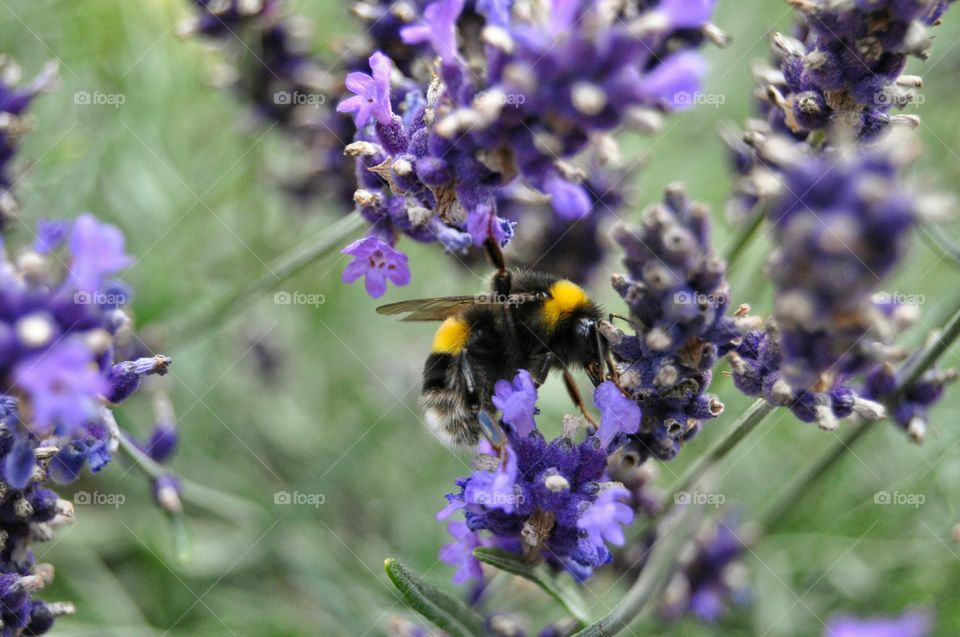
656	573
744	425
653	578
286	266
228	506
797	489
937	239
744	237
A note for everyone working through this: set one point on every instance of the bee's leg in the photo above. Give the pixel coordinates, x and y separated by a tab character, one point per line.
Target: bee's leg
540	366
604	355
470	389
574	392
493	433
488	427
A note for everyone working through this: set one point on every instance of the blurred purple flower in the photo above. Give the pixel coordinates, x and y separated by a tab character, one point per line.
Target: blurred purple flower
97	250
911	624
459	553
63	385
439	27
50	234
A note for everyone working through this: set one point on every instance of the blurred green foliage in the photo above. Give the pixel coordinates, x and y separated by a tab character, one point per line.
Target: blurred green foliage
323	400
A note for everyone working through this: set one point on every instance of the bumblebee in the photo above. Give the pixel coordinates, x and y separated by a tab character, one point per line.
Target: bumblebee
529	320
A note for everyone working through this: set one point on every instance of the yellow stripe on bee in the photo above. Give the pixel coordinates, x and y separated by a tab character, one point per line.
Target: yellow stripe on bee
566	297
451	337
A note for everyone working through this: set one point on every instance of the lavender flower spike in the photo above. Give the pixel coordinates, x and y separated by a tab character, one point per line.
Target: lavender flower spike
550	501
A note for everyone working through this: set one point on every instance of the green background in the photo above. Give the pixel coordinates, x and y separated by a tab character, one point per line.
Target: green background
192	179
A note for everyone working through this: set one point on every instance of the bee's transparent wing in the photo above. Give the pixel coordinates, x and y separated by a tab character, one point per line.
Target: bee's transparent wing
440	308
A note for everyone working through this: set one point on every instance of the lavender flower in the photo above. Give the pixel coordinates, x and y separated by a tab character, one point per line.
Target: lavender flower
442	163
57	373
285	83
846	65
97	249
844	213
910	624
757	363
125	377
677	295
439	28
548	501
711	575
371	93
909	411
62	385
377	262
459	553
517	400
13	104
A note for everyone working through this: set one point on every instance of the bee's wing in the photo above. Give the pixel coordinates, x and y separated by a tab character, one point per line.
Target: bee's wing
440	308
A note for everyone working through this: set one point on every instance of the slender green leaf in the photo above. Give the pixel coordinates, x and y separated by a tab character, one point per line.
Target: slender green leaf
509	562
445	612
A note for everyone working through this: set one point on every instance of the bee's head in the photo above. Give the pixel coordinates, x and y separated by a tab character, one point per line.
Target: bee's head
589	347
